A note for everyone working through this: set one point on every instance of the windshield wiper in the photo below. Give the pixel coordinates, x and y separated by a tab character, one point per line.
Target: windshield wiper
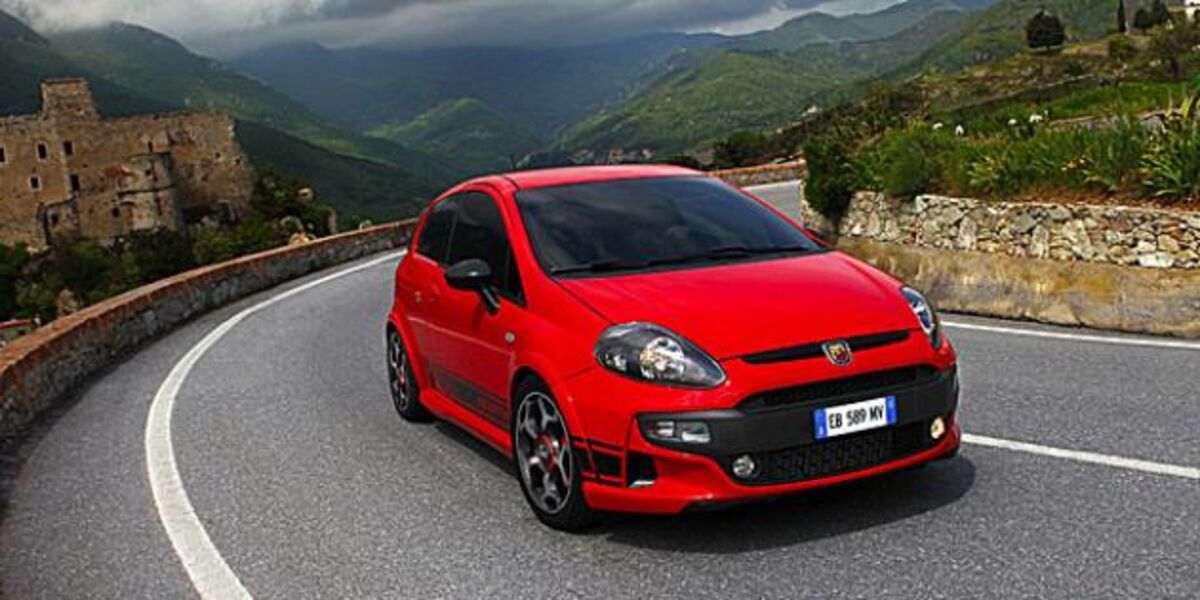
731	251
600	266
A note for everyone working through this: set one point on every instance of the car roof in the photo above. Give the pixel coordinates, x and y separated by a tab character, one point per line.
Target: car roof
540	178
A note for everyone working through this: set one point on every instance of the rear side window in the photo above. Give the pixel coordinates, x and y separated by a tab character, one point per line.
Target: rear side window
479	233
435	236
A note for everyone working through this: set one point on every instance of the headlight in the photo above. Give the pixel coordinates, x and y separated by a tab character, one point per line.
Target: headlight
925	314
655	354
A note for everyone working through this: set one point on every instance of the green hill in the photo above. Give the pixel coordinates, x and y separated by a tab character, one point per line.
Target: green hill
475	134
162	69
999	31
818	27
355	187
749	90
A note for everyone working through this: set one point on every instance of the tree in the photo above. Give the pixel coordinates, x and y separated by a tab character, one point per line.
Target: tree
1142	21
1122	24
742	149
1044	30
12	262
1159	15
1170	45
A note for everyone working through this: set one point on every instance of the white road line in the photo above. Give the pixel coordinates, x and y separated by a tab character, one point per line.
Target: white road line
1075	337
1108	460
209	572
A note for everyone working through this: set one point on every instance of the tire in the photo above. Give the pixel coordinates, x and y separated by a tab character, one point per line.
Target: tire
406	394
544	461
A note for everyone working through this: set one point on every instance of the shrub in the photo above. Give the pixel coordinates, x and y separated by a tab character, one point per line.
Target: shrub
1121	48
832	178
912	161
1170	45
12	262
1172	163
742	149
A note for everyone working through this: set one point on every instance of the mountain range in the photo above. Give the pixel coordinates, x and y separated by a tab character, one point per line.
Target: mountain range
378	130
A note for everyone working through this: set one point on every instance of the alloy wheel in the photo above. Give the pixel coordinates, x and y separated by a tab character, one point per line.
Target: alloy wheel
543	452
398	371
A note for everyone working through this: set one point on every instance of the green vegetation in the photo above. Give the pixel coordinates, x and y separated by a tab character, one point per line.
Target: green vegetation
999	32
735	91
1044	30
1124	158
353	186
480	138
33	286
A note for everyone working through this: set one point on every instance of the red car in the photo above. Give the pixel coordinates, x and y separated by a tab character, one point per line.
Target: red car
651	339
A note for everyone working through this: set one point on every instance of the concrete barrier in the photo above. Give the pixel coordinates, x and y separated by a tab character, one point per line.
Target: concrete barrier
42	368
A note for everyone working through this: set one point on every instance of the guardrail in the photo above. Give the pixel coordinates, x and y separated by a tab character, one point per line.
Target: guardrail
42	368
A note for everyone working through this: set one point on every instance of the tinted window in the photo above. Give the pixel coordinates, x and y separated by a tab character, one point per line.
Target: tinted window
642	223
479	233
435	236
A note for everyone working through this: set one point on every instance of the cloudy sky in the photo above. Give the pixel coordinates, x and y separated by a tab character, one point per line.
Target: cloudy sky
225	26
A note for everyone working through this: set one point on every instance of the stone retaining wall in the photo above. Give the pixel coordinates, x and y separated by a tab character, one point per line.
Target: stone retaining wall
1107	267
1119	235
764	174
1103	296
41	368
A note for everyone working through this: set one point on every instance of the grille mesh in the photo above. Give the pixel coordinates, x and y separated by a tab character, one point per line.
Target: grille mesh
841	455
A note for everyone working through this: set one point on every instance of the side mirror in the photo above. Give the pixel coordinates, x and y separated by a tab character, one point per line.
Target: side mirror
474	275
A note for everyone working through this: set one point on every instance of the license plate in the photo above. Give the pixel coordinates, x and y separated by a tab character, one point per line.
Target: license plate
833	421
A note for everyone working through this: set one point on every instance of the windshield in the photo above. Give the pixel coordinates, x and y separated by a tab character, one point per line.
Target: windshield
636	224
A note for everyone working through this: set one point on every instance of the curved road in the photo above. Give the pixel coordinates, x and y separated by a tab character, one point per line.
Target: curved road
307	483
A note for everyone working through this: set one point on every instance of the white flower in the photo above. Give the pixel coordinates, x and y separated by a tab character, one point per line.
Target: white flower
938	126
1012	122
1036	118
960	131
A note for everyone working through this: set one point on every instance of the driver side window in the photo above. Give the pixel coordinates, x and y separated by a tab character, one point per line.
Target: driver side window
479	232
435	236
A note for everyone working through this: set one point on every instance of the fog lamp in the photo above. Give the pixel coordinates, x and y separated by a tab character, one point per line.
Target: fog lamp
744	467
689	432
937	429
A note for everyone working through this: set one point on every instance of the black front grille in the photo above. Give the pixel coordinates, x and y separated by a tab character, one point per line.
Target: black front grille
841	455
864	384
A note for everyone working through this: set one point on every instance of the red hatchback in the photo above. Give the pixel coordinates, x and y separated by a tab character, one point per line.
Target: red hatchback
652	339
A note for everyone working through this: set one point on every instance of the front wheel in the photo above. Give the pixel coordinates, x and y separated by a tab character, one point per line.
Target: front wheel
406	396
545	463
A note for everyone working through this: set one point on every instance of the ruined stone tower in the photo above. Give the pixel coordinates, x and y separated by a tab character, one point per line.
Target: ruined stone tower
67	173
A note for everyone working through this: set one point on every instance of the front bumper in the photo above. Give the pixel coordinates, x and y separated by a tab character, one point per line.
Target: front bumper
775	427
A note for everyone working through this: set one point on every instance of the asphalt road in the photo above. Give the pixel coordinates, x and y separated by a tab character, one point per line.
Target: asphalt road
309	485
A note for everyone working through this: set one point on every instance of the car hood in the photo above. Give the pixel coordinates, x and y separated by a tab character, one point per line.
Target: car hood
741	308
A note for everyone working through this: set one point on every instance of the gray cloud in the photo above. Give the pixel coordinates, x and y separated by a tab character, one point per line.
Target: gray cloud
226	26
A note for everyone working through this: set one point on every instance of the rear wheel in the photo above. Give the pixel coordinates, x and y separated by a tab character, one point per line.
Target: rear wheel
406	396
545	462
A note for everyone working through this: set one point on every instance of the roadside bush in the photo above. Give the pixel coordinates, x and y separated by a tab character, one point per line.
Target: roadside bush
832	178
1172	163
912	162
1015	161
216	245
